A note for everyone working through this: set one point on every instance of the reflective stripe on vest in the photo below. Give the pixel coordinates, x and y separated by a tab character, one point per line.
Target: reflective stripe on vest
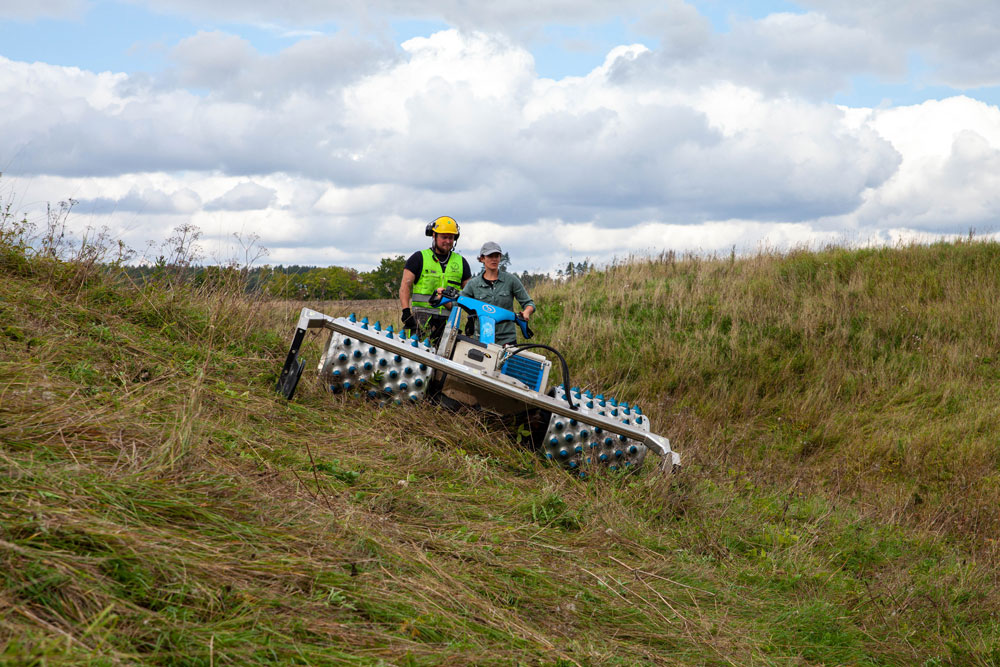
432	277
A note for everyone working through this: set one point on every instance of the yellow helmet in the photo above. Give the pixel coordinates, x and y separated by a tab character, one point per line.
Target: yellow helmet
443	225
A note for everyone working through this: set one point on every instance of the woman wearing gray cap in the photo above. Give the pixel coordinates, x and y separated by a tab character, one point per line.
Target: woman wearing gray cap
500	289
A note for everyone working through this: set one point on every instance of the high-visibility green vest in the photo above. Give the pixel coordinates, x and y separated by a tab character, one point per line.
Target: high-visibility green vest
431	277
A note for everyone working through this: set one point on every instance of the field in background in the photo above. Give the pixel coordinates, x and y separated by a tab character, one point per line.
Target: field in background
837	412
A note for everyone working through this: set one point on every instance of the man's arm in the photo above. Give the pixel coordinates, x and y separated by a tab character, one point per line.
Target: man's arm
406	288
405	296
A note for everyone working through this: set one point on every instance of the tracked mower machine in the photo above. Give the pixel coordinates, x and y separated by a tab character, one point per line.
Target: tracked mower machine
575	428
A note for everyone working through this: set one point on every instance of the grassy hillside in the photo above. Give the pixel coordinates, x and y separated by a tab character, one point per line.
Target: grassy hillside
861	373
836	412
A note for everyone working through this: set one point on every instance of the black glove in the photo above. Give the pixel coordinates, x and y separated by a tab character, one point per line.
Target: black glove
523	323
409	322
447	293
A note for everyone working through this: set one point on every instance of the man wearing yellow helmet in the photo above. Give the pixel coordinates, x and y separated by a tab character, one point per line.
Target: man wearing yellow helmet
430	269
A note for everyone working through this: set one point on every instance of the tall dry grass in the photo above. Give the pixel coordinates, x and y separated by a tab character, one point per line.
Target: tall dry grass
160	504
869	372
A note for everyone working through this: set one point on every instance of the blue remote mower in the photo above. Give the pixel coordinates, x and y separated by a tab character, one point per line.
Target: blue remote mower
575	428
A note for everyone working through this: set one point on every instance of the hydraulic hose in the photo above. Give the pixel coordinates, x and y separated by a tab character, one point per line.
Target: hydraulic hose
565	368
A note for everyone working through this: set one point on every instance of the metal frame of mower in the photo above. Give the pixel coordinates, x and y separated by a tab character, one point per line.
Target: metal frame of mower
582	430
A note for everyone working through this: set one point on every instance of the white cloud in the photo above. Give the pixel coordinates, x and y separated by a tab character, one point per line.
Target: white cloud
212	60
950	176
806	54
446	76
146	200
333	154
246	196
960	39
800	55
228	67
684	34
510	15
18	10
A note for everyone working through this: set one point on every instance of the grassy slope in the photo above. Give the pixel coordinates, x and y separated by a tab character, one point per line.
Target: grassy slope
836	412
871	373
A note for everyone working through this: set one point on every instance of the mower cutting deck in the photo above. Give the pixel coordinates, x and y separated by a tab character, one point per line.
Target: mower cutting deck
581	429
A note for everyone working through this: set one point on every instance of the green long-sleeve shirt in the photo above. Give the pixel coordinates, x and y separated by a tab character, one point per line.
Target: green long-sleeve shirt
502	293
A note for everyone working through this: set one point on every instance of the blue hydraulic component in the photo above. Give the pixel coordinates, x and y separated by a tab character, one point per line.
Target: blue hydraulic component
528	371
487	313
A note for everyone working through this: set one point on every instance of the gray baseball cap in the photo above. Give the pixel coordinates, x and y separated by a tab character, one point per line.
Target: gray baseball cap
489	248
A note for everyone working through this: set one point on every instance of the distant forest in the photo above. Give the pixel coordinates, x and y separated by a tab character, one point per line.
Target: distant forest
326	283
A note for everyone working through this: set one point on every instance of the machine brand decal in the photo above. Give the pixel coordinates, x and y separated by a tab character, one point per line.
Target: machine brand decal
488	308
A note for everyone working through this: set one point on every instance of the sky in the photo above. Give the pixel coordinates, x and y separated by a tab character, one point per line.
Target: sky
331	133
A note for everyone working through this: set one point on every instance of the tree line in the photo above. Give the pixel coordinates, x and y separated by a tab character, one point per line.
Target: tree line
178	260
304	283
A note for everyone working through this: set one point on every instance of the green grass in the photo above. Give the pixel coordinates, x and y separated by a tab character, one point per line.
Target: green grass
160	504
865	372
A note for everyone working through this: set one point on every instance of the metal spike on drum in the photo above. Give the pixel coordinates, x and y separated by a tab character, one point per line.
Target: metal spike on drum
574	444
349	363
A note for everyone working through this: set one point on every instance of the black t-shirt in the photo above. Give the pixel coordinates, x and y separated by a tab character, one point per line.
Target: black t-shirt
416	264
